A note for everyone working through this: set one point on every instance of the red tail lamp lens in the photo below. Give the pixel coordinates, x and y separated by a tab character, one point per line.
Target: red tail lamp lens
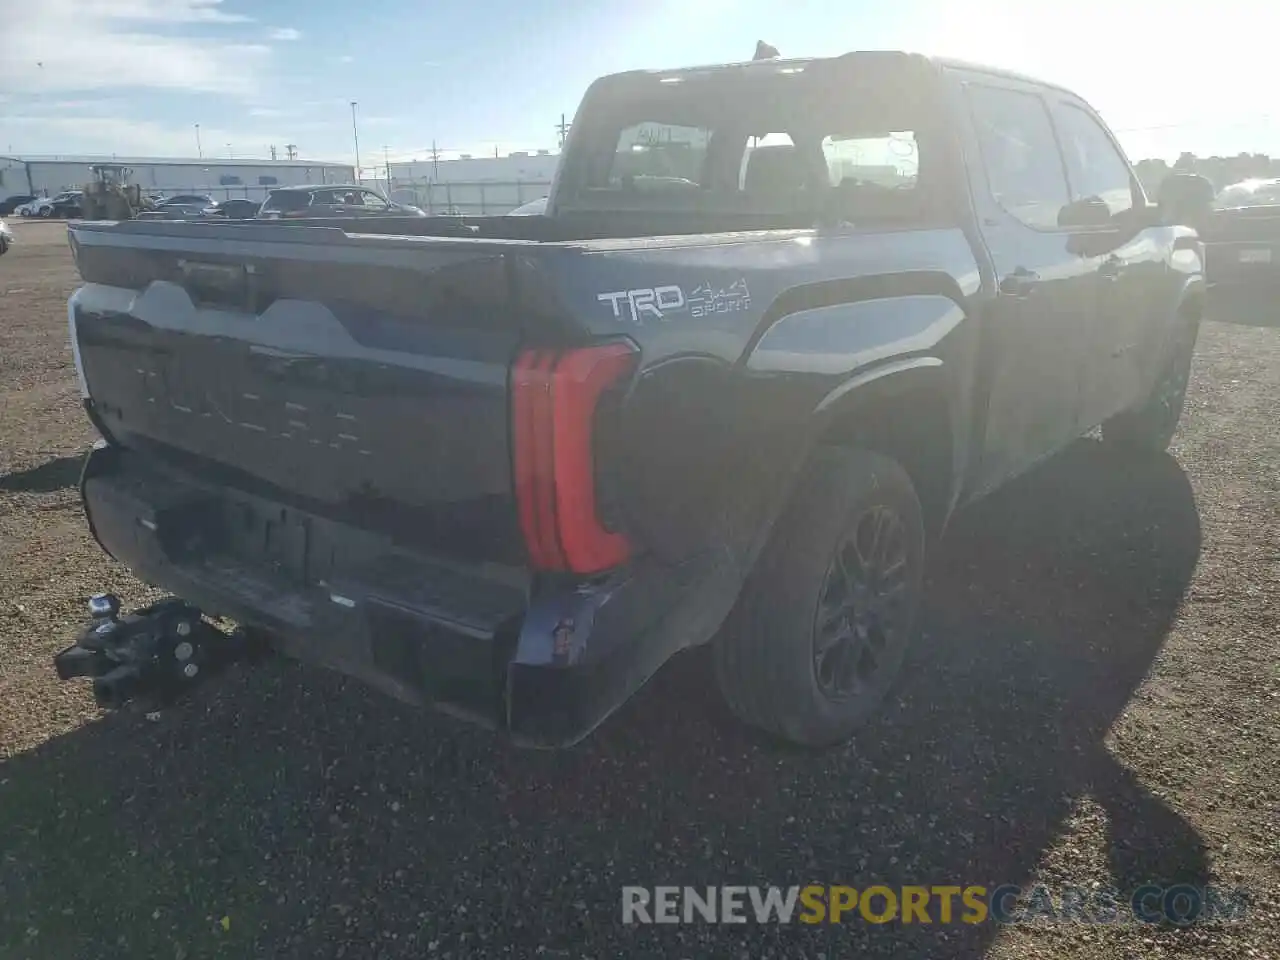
555	396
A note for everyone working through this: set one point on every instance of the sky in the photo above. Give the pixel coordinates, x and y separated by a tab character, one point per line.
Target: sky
135	77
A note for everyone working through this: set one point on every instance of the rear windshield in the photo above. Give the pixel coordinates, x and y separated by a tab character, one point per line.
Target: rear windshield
286	201
1249	193
826	137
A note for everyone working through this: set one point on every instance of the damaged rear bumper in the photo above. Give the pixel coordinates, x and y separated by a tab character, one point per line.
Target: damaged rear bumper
545	666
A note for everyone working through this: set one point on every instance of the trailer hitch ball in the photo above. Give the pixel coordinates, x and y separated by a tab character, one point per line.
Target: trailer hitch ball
155	653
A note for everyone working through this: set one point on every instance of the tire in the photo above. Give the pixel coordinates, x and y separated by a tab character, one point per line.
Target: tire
768	660
1150	426
46	212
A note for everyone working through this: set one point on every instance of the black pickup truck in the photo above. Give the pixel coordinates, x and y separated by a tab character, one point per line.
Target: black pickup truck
1240	228
780	319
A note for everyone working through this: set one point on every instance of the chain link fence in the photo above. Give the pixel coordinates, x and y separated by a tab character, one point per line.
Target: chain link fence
468	198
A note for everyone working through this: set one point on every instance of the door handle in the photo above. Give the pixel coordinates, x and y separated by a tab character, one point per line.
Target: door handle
1020	283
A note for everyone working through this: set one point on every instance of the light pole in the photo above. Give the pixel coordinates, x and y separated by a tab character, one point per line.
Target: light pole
199	149
355	136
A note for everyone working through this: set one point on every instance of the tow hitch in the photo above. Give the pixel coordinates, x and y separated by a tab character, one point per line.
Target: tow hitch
154	654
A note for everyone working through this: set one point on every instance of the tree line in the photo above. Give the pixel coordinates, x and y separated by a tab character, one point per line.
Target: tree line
1220	171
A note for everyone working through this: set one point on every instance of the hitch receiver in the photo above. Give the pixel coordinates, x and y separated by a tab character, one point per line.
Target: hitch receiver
154	654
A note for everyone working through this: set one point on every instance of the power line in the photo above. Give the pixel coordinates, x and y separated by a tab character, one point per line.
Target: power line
1260	118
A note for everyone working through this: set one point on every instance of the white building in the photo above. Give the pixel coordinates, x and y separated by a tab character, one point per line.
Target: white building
473	184
220	179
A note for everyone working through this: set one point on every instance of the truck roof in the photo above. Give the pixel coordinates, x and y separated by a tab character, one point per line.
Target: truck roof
794	64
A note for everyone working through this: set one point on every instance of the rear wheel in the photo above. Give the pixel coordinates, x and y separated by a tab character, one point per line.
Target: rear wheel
823	624
1150	426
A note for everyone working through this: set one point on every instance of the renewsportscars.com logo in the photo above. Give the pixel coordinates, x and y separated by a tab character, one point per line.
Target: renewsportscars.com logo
1181	904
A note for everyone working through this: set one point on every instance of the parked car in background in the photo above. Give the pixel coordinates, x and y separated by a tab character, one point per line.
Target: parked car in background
292	203
237	209
186	204
10	205
1240	228
6	237
43	206
68	207
534	208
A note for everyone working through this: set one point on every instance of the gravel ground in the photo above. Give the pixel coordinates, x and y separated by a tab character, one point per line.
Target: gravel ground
1094	701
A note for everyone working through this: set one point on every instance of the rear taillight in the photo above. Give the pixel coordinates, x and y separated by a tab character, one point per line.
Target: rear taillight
554	398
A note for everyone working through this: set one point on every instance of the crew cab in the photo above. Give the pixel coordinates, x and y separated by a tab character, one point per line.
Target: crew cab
780	319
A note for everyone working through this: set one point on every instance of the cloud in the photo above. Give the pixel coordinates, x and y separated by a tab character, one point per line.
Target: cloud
266	112
346	58
91	45
285	33
160	11
95	134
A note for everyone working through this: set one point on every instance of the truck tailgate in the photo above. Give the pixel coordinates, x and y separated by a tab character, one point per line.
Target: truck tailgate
365	381
1242	262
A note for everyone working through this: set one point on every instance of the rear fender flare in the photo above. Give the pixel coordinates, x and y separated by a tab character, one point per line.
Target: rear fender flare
891	342
896	377
1189	300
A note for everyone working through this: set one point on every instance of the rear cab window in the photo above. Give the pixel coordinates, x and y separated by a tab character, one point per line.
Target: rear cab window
858	138
659	156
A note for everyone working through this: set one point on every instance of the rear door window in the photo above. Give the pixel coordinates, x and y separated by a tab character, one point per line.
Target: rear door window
287	201
328	198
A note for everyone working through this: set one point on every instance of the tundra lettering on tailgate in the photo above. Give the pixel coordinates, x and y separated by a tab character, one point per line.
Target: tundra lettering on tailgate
660	303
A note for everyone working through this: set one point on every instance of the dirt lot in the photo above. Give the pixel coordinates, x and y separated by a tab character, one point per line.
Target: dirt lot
1094	701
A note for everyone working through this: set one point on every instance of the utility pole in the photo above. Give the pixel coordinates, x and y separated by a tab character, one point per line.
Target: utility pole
563	128
386	161
273	151
291	151
355	136
199	149
230	155
435	162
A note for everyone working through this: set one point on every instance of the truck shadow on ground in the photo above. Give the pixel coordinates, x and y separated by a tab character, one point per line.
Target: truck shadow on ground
48	477
323	820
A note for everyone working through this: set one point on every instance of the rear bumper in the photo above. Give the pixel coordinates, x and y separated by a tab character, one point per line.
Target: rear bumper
545	666
1240	291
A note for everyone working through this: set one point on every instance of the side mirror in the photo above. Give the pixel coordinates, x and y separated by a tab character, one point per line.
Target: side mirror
1086	212
1186	198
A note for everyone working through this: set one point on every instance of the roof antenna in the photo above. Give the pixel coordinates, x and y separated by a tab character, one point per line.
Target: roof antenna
765	52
